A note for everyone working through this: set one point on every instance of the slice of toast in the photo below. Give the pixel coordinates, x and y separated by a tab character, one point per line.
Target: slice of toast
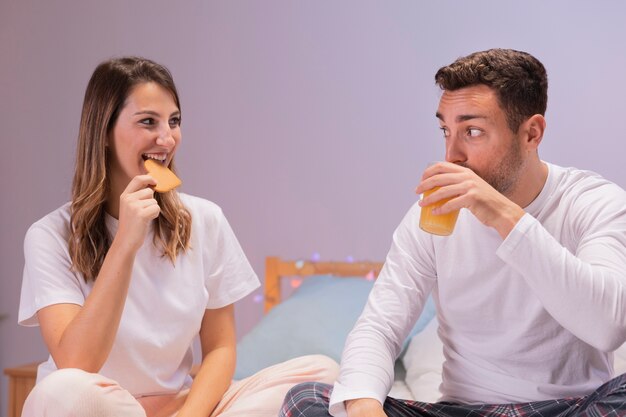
166	179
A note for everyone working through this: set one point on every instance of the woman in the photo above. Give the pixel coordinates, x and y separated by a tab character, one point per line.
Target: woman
122	279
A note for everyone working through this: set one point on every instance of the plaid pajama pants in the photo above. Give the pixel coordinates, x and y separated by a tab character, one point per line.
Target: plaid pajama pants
311	399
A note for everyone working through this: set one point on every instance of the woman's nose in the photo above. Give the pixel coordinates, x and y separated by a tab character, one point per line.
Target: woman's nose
166	138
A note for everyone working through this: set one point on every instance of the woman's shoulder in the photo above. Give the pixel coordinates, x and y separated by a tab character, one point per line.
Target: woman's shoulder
57	221
193	202
51	229
201	208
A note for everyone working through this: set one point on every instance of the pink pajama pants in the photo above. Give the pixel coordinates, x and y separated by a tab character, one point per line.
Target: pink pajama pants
75	393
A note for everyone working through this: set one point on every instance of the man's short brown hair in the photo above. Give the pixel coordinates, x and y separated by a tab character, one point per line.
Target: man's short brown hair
518	79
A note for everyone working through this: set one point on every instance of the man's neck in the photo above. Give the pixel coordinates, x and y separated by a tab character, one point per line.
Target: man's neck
532	180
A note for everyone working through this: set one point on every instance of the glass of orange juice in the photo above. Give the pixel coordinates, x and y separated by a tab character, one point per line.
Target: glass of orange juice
437	224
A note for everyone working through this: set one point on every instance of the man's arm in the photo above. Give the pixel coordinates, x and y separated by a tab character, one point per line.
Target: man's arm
364	407
467	190
393	306
584	291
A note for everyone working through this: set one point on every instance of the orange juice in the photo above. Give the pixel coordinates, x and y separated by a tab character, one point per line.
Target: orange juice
437	224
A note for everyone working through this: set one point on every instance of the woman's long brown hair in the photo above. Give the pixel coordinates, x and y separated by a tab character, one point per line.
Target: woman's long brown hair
107	91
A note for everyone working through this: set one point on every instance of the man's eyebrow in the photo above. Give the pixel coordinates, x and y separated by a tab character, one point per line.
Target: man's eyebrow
465	117
462	117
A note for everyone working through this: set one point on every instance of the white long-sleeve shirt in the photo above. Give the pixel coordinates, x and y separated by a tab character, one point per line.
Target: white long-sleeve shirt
530	318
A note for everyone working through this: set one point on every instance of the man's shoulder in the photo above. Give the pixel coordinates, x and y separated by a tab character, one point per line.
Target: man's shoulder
588	197
581	181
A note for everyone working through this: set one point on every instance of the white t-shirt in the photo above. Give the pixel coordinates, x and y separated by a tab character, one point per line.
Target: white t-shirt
530	318
152	352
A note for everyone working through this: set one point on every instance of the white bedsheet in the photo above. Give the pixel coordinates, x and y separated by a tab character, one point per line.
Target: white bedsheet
423	362
401	390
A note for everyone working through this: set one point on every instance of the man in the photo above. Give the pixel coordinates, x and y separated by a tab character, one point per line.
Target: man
530	288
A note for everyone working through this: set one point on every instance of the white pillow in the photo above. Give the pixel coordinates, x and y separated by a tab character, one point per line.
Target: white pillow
423	362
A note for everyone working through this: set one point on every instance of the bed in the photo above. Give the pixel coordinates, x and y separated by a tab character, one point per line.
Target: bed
317	316
279	274
309	309
313	318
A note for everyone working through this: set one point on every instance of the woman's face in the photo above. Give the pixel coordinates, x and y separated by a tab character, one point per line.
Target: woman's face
148	126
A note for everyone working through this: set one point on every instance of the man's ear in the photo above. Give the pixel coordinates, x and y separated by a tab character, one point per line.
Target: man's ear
532	131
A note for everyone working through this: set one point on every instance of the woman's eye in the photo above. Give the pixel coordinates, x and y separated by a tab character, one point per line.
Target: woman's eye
175	121
148	122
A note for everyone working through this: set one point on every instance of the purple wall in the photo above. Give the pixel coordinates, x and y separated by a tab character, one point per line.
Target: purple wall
308	122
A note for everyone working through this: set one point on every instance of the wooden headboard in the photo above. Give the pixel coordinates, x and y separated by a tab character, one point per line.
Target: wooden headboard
276	269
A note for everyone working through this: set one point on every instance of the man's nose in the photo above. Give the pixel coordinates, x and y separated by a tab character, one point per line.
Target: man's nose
455	151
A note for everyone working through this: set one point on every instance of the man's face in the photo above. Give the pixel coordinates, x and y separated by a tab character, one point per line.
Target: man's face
478	137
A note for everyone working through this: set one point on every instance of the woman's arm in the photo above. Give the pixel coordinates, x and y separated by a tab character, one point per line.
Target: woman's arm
82	336
218	341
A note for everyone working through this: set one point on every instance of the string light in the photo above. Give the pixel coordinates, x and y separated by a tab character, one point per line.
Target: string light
314	266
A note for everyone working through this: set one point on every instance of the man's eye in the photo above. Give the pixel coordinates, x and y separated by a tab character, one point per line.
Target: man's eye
148	122
474	132
445	131
175	121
